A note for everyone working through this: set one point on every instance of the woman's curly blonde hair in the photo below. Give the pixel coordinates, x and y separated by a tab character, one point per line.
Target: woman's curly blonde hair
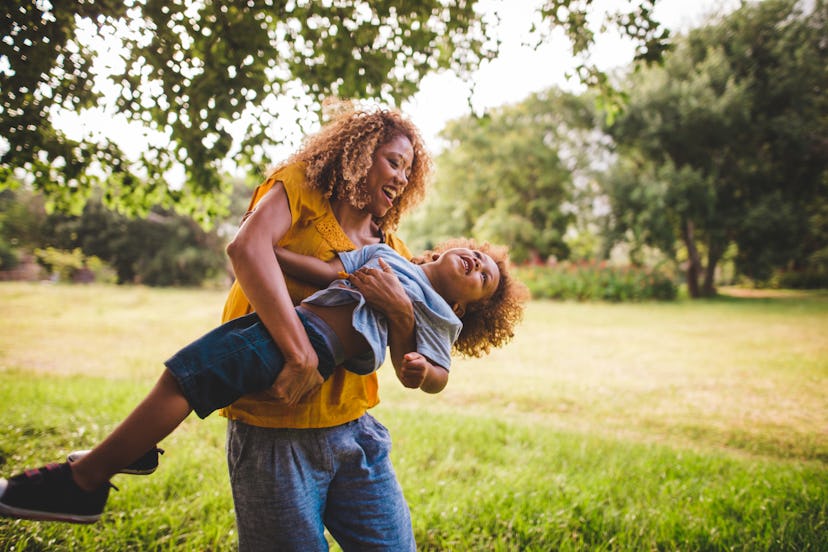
491	322
338	156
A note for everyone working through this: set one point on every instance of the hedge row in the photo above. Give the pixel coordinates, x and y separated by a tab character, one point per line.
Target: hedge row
598	281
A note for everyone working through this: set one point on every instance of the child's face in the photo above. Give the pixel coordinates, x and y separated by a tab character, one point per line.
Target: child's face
388	174
463	276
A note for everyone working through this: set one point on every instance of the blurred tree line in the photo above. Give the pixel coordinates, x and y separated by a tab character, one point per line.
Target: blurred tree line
163	248
720	154
717	155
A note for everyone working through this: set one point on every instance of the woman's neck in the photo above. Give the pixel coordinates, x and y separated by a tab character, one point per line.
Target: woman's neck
357	224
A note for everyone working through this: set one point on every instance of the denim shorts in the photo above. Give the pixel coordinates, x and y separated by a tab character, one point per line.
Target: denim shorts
289	485
240	357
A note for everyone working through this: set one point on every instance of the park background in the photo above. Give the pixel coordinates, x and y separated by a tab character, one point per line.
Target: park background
667	389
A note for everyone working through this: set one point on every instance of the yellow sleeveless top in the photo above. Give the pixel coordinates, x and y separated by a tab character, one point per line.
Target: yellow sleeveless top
314	231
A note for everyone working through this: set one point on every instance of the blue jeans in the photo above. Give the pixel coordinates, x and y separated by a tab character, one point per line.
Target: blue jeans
289	484
240	357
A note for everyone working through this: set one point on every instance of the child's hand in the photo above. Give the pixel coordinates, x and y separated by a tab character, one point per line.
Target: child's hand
414	370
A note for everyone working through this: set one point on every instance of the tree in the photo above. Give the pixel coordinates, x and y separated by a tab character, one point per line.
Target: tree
727	143
21	227
508	177
198	74
192	72
162	249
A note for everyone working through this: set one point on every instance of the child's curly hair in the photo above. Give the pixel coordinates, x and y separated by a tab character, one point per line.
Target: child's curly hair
338	156
491	322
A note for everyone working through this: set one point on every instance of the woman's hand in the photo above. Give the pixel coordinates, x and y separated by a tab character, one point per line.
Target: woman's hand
297	378
382	289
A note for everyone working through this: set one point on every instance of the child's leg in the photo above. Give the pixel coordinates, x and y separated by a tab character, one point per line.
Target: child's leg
161	411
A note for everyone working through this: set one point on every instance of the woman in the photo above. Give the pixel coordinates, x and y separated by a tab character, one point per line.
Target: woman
306	456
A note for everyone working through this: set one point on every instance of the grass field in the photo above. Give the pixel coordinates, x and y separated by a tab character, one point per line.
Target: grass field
669	426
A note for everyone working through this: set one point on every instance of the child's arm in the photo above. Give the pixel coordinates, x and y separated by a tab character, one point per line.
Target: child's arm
412	369
309	269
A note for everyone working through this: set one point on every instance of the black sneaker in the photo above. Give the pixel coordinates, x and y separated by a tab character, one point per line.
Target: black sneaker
50	494
145	465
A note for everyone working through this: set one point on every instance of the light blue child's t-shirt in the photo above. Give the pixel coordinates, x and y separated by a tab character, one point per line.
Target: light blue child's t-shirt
436	325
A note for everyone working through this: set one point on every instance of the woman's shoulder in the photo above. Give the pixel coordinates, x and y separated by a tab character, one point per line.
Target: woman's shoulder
292	176
301	197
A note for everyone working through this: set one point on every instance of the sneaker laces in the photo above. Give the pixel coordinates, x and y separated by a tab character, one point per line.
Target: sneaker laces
43	473
46	473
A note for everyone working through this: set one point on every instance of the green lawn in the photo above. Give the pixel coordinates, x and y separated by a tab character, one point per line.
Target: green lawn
662	426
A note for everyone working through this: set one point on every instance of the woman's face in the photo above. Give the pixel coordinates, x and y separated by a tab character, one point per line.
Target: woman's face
388	174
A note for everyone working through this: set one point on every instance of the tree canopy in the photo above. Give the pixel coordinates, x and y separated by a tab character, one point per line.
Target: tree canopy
510	177
720	153
727	143
203	77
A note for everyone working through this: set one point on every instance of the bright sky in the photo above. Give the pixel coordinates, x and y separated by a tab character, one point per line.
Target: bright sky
521	70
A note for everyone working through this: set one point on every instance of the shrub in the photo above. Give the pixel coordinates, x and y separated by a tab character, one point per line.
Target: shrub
801	279
8	256
74	266
598	281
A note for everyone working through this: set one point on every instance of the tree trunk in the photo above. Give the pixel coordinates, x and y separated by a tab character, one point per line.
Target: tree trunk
694	268
713	256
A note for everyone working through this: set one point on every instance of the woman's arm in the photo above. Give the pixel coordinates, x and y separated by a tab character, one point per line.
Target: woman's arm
260	277
309	269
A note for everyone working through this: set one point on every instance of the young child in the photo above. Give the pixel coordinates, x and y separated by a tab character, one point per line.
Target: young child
457	281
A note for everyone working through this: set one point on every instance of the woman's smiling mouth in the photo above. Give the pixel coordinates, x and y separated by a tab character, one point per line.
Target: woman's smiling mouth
390	192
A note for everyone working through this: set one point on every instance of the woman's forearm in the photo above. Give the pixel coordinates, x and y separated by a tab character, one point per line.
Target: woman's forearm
261	278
